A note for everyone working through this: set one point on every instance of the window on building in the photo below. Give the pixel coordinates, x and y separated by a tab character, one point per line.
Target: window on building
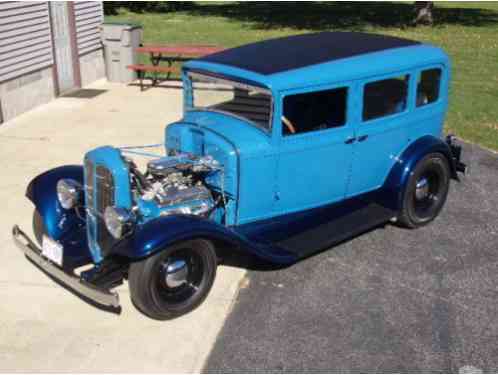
314	111
385	97
428	86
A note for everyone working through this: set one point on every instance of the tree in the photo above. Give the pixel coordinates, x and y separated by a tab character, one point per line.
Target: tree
423	13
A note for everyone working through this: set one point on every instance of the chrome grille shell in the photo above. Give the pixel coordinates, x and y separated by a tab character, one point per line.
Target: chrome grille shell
107	183
88	183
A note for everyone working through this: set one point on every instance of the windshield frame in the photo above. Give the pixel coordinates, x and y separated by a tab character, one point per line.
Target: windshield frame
214	78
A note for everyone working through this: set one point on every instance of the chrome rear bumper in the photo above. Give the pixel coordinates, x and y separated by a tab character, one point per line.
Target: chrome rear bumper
92	292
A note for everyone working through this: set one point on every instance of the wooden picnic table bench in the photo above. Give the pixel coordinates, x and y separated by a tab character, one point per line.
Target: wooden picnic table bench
169	54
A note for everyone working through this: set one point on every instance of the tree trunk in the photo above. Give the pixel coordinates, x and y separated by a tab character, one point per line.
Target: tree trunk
423	13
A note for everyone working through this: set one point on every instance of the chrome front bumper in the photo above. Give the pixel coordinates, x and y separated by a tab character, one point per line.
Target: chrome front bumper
71	280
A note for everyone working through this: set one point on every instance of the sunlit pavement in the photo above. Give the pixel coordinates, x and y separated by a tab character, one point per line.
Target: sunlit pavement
45	328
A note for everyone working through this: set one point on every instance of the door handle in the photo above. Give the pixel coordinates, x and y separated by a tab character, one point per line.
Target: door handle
350	140
361	138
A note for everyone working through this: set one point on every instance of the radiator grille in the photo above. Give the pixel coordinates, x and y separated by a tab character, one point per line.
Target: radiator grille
104	197
89	184
104	189
89	200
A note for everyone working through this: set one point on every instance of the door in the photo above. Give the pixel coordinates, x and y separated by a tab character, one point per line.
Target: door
63	48
315	149
381	130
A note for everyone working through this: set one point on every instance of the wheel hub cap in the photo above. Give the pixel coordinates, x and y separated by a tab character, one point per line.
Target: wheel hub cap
422	189
176	273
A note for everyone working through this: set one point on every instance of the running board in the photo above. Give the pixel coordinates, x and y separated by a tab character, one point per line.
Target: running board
336	230
307	232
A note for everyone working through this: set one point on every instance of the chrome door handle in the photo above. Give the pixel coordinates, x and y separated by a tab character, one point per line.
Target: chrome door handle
361	138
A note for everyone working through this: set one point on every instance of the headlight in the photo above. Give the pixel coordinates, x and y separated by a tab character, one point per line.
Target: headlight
118	221
68	192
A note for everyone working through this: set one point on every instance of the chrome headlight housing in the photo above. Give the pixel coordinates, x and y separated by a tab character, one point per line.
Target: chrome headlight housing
118	221
68	192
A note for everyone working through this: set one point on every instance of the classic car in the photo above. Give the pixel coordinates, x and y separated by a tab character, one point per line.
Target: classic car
286	147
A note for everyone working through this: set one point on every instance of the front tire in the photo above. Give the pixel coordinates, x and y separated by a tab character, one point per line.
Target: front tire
426	191
174	281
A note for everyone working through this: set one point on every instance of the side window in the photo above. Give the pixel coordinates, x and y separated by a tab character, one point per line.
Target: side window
314	111
428	86
385	97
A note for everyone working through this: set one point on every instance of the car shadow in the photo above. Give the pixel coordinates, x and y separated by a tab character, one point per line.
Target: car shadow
239	259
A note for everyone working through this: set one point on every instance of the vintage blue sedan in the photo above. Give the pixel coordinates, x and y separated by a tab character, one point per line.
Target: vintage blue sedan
285	148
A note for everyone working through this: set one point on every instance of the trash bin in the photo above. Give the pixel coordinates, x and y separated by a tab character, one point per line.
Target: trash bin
120	41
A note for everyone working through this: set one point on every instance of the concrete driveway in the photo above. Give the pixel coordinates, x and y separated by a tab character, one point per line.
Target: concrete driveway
391	300
45	328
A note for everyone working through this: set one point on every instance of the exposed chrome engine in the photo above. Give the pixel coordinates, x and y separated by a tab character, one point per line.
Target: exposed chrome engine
176	184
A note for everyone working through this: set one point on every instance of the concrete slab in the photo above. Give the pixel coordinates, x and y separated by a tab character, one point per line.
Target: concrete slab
44	327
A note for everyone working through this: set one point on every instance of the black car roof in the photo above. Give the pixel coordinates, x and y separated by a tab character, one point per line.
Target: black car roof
298	51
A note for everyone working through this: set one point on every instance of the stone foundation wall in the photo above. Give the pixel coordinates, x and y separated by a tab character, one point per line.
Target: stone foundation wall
28	91
92	67
21	94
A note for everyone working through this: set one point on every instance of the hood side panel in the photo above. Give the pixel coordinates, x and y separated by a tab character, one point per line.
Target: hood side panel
189	138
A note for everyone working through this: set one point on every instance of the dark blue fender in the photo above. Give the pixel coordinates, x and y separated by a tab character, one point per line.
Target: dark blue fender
391	194
161	232
60	224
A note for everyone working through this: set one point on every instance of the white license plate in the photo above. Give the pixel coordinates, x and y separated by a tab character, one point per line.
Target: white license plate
52	250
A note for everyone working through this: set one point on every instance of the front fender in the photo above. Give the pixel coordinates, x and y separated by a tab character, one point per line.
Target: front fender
162	232
400	173
42	192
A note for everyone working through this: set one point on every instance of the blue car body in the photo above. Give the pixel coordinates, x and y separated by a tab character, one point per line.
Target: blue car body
286	197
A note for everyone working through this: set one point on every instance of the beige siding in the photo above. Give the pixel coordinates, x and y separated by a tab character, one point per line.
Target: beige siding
89	16
25	41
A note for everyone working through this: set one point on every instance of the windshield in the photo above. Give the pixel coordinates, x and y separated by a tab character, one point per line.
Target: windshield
251	103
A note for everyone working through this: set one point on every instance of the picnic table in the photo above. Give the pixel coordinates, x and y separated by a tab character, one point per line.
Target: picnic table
169	54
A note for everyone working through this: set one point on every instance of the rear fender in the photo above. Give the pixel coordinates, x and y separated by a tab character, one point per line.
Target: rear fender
395	184
42	192
162	232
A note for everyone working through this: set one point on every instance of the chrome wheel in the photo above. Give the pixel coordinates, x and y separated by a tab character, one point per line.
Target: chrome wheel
180	276
426	191
176	273
422	189
175	280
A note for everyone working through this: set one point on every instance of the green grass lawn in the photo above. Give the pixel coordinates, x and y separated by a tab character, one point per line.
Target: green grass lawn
467	31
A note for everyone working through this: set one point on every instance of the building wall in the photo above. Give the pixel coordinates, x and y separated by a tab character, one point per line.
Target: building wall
27	74
25	57
92	67
89	15
23	93
25	40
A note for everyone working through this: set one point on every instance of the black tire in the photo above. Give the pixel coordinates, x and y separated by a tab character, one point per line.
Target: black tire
150	284
38	227
426	191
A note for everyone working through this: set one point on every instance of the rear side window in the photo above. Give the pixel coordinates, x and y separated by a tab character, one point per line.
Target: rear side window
428	86
385	97
314	111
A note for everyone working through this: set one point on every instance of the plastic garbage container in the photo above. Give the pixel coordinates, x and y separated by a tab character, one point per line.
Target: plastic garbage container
120	41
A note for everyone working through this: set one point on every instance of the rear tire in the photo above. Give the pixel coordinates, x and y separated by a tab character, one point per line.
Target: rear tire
174	281
38	227
426	191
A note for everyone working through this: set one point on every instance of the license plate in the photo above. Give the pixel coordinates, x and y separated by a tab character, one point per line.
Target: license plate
52	250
